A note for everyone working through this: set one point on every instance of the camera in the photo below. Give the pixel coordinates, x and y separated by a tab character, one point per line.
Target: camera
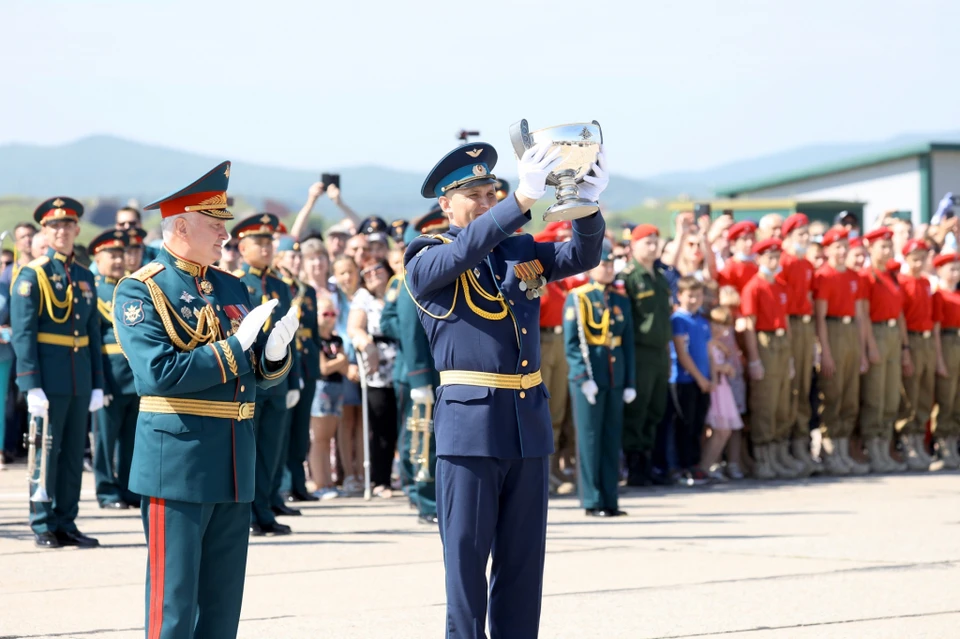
329	178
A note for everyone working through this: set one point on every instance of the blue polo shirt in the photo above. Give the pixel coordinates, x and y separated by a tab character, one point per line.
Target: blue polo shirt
695	331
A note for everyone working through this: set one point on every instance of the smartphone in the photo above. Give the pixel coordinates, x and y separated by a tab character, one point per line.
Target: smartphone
700	210
330	178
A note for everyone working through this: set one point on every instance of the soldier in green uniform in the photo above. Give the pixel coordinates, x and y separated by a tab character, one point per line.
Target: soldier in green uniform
421	377
273	419
199	357
56	339
294	484
598	335
115	425
651	305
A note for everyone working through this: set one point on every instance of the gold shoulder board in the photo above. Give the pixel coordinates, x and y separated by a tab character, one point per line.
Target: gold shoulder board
239	273
145	273
37	263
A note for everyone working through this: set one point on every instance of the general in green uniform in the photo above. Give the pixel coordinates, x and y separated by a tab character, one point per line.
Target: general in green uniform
198	355
294	482
651	305
115	425
273	418
598	333
56	338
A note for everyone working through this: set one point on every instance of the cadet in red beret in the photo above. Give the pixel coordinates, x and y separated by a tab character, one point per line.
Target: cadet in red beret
946	330
919	358
882	340
738	270
763	303
796	275
837	294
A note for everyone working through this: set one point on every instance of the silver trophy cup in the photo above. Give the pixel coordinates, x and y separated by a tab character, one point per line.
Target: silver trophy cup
579	145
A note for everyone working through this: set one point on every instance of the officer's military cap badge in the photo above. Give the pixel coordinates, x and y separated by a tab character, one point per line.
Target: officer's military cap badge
259	225
58	208
461	168
208	195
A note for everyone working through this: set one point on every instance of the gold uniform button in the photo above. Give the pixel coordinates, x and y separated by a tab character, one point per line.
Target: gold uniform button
524	363
76	300
498	277
511	302
523	330
522	394
243	388
76	332
218	307
613	359
77	315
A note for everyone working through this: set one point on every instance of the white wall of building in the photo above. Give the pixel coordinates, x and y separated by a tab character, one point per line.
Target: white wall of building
945	176
882	187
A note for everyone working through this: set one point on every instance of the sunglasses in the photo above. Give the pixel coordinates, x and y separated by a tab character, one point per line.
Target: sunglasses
371	270
328	314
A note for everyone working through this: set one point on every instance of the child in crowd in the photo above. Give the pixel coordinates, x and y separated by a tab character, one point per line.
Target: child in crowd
730	300
723	417
327	406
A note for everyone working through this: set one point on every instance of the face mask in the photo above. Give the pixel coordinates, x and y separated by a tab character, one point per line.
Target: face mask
743	258
799	248
768	273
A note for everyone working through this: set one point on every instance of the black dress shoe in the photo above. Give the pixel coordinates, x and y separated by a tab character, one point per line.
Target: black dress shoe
428	519
46	540
115	505
613	512
594	512
301	497
285	511
276	528
76	538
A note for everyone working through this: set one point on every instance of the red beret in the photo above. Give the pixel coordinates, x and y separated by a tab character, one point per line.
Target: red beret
945	258
794	222
741	228
545	236
856	242
882	233
641	231
915	245
835	234
772	244
553	227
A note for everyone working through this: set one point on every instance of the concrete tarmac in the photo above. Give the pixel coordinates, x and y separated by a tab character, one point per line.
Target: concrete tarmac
870	558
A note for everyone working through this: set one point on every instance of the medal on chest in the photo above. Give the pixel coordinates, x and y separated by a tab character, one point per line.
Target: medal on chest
531	278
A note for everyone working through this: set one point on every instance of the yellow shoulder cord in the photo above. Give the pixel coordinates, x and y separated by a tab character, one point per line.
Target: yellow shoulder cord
106	310
591	326
456	286
207	323
49	301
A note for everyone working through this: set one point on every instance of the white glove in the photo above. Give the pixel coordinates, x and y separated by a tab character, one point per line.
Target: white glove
302	383
96	400
590	390
37	403
106	400
595	184
293	396
534	167
281	336
629	395
422	394
250	326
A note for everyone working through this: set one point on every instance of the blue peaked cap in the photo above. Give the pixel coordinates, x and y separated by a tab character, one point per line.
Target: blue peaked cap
467	165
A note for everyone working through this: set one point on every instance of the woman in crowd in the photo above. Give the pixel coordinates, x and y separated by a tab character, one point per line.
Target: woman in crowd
327	405
316	268
349	441
379	352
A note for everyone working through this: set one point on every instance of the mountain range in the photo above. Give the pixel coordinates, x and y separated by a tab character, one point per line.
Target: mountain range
107	167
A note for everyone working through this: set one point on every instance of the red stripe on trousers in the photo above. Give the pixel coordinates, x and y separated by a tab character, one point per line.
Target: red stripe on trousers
157	559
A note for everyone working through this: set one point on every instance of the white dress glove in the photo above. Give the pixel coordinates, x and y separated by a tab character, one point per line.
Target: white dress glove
629	395
281	336
37	403
596	182
106	400
534	167
590	390
252	324
422	394
293	396
96	400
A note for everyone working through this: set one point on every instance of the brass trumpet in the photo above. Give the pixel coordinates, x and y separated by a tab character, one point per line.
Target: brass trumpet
38	445
420	425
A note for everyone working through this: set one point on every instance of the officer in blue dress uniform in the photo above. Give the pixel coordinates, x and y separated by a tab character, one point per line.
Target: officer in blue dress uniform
475	288
294	485
56	339
199	356
115	425
274	416
598	337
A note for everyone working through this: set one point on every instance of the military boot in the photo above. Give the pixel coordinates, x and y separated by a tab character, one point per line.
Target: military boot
788	460
895	466
776	464
801	450
635	474
948	452
856	468
914	461
878	464
920	445
761	466
833	462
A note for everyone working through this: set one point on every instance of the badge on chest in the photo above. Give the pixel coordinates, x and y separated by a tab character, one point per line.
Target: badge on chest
531	278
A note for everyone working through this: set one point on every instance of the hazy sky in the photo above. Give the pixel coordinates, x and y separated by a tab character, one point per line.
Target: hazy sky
675	85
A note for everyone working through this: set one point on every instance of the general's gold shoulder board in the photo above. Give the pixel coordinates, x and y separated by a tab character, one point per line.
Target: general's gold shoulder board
145	273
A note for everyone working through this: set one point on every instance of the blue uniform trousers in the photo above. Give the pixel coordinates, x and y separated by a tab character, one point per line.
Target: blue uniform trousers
271	423
115	430
195	571
599	433
68	427
294	478
486	504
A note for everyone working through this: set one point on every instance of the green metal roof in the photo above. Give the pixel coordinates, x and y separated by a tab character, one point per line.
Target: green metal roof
873	159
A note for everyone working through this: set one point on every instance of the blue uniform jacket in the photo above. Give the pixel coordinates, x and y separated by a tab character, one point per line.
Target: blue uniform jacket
478	420
117	375
190	458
